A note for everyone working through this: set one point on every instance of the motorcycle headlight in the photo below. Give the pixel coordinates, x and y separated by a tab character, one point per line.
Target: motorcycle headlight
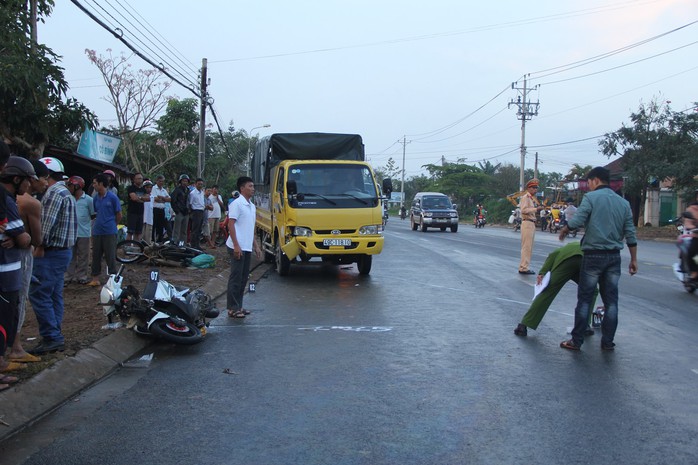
427	214
371	229
302	232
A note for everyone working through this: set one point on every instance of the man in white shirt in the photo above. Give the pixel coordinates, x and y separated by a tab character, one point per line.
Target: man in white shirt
241	241
159	197
148	212
214	215
197	205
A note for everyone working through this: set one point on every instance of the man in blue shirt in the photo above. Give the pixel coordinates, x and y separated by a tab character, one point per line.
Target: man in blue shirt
108	211
607	221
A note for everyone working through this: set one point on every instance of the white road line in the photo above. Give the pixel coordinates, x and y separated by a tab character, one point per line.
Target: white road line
694	371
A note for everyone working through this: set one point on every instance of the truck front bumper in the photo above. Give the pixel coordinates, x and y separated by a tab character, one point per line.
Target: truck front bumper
355	245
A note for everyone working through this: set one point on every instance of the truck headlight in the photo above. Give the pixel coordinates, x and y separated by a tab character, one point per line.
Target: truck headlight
371	229
454	215
427	214
302	232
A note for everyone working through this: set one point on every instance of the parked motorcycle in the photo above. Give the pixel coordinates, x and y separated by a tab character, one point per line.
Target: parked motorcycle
682	269
155	253
175	315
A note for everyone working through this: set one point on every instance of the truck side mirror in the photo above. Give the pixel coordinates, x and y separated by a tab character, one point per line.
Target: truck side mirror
291	187
387	187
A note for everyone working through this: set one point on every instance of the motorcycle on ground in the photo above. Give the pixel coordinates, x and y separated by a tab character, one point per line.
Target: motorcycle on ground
480	221
175	315
155	253
403	213
682	268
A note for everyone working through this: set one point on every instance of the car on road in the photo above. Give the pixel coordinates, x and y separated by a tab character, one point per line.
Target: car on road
433	210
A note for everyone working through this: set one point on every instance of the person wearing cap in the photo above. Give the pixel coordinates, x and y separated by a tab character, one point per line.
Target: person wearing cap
14	180
179	203
59	227
78	268
529	207
136	200
30	212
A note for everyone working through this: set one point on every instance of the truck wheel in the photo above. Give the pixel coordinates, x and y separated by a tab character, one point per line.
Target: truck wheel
454	228
424	227
413	225
283	264
364	264
442	228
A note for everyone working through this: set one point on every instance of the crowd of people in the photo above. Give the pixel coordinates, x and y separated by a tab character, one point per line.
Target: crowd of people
52	223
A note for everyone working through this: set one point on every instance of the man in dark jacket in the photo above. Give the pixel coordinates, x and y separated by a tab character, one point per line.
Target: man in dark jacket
180	205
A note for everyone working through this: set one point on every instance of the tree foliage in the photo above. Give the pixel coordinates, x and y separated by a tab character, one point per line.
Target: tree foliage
34	109
658	144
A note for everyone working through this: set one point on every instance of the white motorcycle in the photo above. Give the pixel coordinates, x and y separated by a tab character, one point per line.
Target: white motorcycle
176	315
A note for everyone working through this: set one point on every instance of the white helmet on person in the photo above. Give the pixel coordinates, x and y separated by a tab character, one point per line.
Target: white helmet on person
53	164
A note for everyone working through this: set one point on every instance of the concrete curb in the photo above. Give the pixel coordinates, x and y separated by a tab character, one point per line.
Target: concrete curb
29	401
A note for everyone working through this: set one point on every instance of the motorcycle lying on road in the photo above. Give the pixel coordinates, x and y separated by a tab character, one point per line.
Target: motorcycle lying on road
682	268
155	253
175	315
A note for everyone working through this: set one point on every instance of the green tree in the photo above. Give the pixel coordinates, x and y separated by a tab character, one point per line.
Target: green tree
34	109
652	147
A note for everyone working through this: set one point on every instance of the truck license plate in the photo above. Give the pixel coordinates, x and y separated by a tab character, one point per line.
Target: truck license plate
331	242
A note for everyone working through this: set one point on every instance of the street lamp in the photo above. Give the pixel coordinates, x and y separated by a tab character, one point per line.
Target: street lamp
249	144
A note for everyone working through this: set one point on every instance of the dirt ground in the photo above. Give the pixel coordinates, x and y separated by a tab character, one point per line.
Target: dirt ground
84	318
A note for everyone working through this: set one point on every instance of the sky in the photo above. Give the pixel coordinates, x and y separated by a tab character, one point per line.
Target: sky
438	75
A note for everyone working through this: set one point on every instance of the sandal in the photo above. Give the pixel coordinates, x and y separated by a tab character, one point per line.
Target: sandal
569	345
8	379
13	366
521	330
239	314
245	311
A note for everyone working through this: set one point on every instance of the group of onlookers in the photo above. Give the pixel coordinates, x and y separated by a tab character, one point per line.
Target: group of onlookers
50	225
37	240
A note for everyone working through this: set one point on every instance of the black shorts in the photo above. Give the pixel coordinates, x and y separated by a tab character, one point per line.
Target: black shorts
134	223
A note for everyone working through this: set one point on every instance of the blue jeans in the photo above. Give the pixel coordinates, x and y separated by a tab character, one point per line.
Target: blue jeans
46	296
602	269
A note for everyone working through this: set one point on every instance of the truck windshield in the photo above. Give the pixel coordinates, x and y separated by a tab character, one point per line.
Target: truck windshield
333	186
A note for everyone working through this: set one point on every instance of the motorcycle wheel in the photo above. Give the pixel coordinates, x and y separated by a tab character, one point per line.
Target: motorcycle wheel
180	333
129	251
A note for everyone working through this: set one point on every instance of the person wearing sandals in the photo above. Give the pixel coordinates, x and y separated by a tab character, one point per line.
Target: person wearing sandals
241	242
607	221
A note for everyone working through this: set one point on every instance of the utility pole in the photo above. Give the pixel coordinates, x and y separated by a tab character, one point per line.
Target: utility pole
402	188
32	21
526	110
202	120
535	167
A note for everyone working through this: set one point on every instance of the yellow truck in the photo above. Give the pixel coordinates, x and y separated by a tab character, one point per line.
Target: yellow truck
317	198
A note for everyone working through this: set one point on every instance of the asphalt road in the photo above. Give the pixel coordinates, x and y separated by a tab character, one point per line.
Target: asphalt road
415	364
